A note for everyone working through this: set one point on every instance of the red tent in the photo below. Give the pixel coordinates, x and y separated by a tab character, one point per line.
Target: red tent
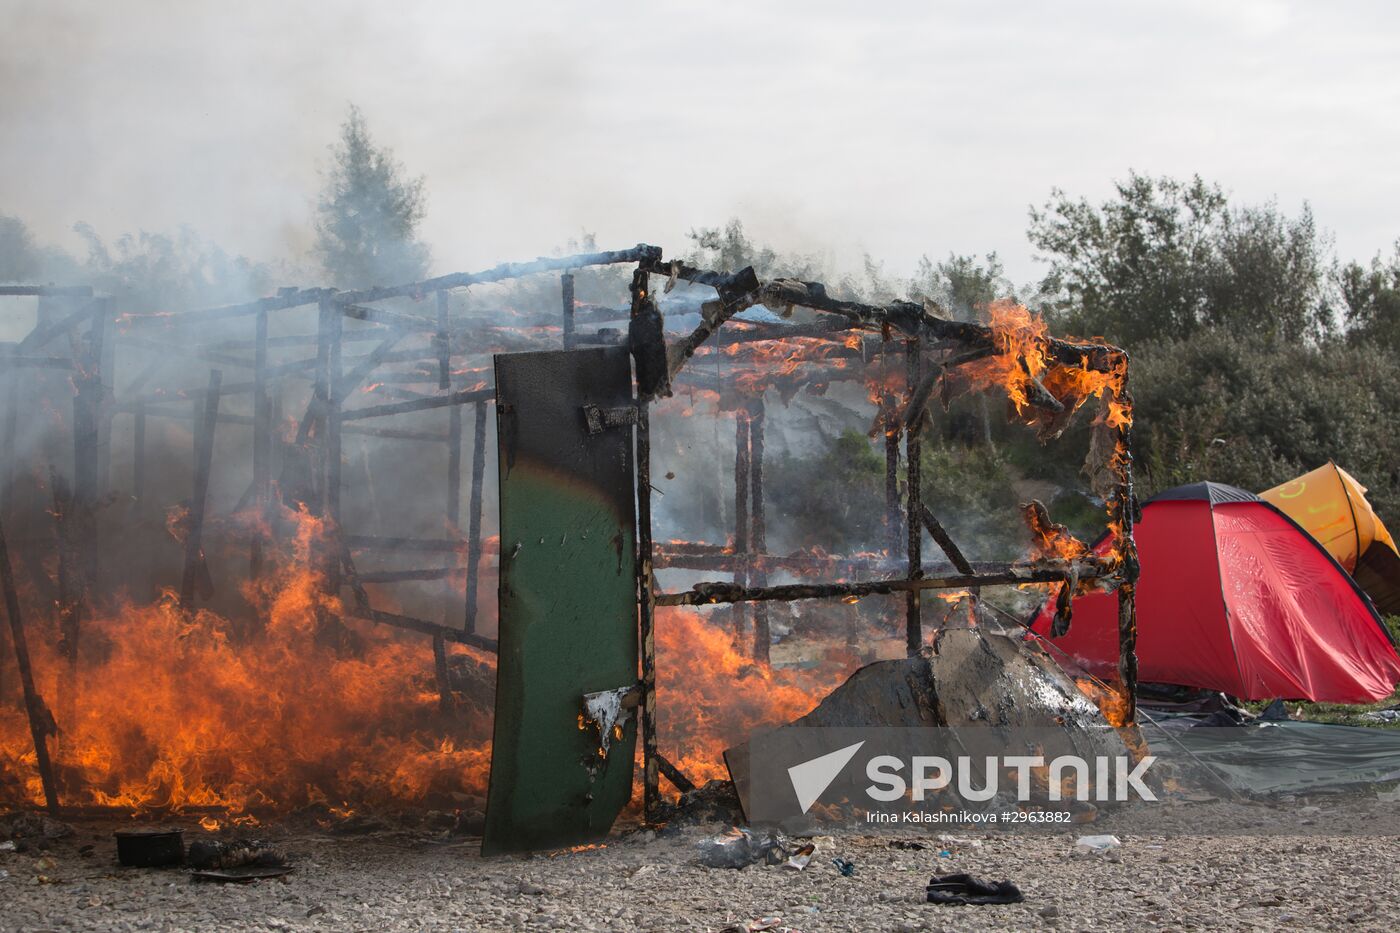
1234	596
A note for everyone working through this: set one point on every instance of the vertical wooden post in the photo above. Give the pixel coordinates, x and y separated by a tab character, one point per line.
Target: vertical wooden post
913	633
889	411
206	428
758	539
87	459
138	445
262	445
443	342
646	593
106	354
566	287
738	612
454	467
454	494
40	720
1125	510
328	337
474	519
11	451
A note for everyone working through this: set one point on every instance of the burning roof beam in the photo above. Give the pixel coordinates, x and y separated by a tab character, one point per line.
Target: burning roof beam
710	593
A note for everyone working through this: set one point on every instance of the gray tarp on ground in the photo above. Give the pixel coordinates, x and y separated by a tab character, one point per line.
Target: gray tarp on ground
1282	757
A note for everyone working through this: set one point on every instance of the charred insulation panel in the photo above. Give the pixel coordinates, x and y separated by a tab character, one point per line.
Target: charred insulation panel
568	597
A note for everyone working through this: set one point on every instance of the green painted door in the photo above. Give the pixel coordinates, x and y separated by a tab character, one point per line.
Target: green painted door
568	598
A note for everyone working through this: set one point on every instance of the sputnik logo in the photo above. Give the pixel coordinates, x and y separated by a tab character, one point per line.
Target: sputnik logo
811	778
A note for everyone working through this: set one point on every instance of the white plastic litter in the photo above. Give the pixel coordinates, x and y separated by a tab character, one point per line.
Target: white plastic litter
1098	843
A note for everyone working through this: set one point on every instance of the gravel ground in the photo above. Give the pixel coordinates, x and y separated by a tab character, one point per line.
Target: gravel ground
644	881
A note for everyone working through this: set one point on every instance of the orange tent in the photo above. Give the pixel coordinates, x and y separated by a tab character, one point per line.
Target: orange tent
1331	506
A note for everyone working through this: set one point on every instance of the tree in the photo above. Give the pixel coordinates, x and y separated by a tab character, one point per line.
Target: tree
729	249
1166	258
962	285
1371	297
368	214
167	271
19	258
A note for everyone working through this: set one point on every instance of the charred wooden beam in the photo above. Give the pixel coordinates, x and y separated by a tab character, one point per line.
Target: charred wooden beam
646	338
366	365
889	424
747	332
46	291
758	538
736	292
949	546
208	356
643	307
742	485
673	774
406	576
89	401
204	460
465	397
397	320
138	457
262	445
427	628
720	591
913	608
41	723
385	543
177	414
474	515
918	402
72	605
396	434
41	335
11	451
508	270
566	291
35	362
287	298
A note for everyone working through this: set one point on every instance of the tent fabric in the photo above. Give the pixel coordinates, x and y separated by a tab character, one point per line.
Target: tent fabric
1234	596
1331	506
1213	492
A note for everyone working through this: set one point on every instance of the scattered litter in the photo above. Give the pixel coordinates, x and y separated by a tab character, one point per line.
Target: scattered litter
945	854
3	874
1382	715
7	846
801	858
242	875
150	848
774	924
236	853
741	847
964	889
844	865
1389	796
24	825
906	844
1097	843
952	841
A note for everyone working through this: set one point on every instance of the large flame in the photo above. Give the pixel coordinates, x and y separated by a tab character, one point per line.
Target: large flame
710	696
168	709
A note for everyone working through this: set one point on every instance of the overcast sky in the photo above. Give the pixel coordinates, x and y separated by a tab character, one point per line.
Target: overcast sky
898	128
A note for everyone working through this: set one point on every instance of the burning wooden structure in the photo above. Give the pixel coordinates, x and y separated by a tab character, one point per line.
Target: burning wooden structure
423	361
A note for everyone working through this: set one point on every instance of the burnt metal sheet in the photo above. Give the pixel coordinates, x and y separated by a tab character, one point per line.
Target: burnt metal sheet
568	598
